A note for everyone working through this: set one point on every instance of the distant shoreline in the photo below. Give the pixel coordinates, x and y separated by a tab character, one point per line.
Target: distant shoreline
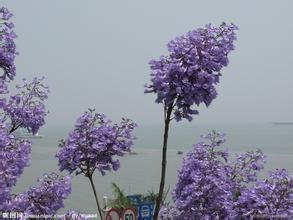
283	123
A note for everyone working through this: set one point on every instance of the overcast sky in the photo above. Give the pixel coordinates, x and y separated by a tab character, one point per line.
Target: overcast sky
96	53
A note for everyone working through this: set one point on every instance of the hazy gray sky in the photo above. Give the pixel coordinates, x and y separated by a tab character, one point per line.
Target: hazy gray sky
96	54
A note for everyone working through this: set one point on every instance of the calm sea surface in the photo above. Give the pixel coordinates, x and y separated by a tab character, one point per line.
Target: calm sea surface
140	173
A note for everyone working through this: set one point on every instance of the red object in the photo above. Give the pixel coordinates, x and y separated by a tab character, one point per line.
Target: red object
129	214
113	214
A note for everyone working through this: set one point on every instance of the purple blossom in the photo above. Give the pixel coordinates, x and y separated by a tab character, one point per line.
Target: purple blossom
187	77
46	198
168	212
94	143
26	109
189	74
204	187
3	90
272	197
14	157
246	167
211	186
7	46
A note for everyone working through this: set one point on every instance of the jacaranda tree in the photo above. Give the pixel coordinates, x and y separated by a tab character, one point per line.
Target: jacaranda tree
25	110
211	186
94	145
187	77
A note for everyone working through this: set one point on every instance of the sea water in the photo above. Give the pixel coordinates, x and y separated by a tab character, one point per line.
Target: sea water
140	173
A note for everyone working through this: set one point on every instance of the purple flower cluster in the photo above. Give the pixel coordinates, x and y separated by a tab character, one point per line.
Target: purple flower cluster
246	167
272	197
211	185
14	157
168	212
7	48
46	198
26	109
189	74
204	187
94	143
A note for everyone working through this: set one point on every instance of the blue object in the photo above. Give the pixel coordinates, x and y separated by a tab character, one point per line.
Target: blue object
145	211
136	199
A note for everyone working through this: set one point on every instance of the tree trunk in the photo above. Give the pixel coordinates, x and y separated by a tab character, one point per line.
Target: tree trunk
164	162
96	196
